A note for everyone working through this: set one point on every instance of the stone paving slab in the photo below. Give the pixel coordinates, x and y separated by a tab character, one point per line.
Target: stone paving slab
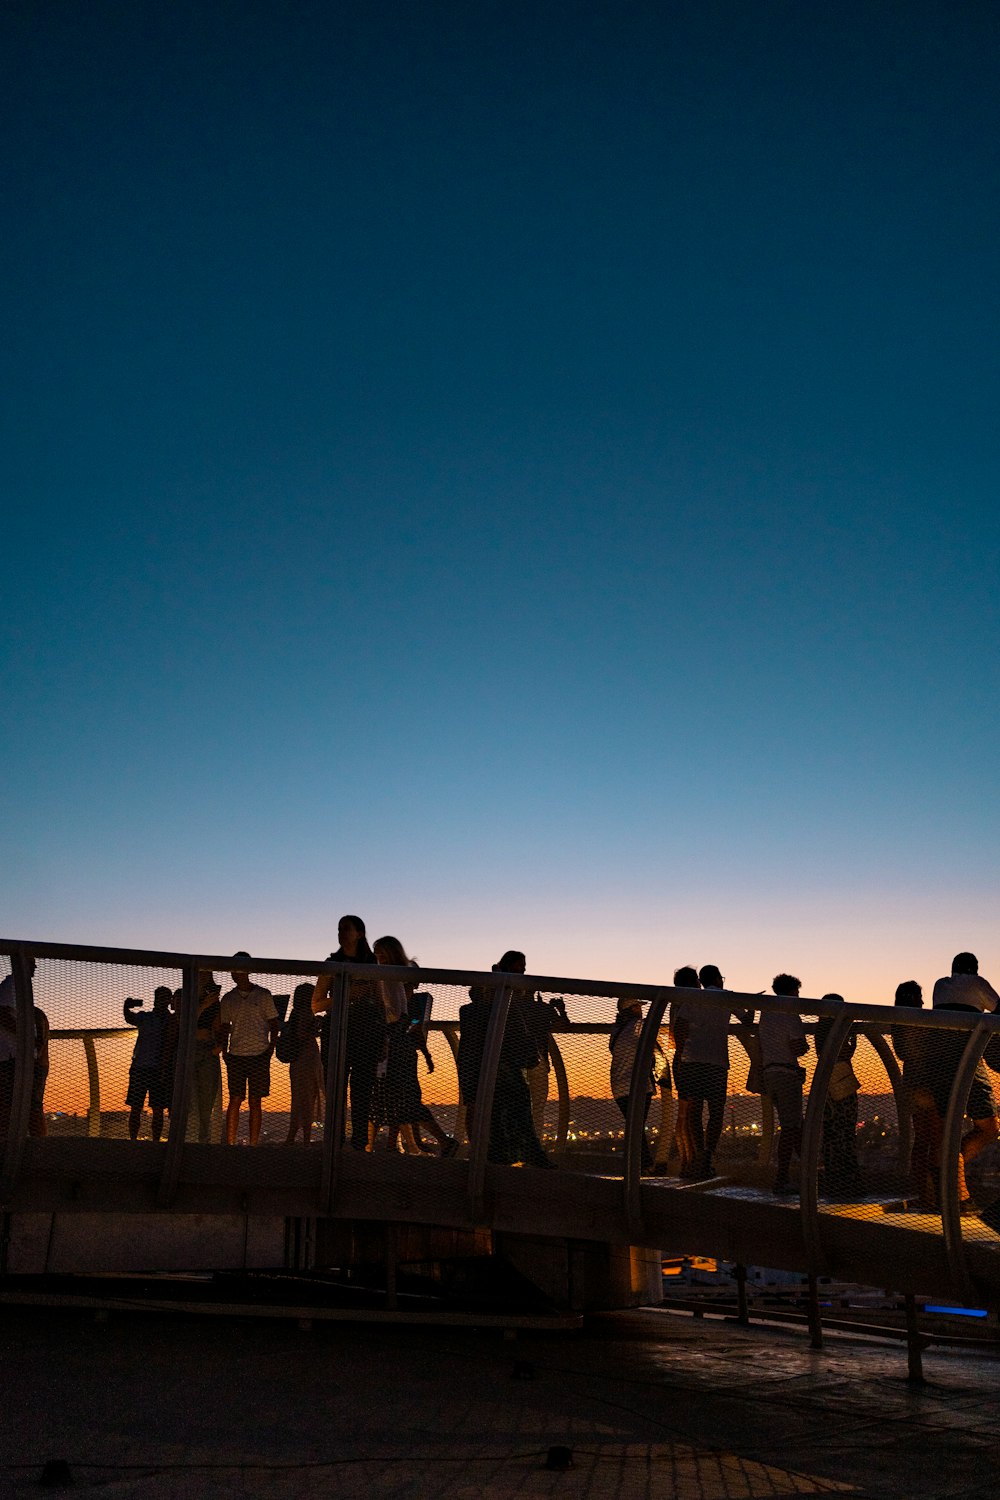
650	1404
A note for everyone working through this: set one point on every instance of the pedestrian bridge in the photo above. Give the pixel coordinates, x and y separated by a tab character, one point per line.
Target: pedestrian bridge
872	1231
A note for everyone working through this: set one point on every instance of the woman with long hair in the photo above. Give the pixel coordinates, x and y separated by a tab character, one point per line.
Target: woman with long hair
404	1105
365	1024
305	1068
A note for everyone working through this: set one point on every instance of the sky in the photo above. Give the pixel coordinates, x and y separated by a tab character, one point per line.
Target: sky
525	473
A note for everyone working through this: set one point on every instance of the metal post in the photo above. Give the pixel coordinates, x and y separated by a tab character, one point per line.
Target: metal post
24	1071
951	1145
183	1079
336	1083
812	1135
904	1119
562	1092
742	1305
815	1322
94	1085
634	1119
483	1108
915	1343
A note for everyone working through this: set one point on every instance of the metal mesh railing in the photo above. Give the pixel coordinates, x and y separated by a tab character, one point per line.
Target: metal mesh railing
853	1112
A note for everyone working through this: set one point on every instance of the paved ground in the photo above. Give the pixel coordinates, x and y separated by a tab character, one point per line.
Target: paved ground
651	1405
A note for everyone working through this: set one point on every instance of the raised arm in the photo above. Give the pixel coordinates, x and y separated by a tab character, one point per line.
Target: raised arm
321	994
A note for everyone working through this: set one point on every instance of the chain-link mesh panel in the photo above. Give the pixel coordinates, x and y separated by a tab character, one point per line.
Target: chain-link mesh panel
859	1167
931	1061
8	1048
107	1067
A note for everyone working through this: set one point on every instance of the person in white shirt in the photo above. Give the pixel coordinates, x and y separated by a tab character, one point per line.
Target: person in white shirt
248	1026
964	988
782	1040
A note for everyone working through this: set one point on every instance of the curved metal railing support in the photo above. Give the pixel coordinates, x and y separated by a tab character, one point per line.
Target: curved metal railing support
635	1117
183	1077
562	1092
812	1135
93	1085
336	1100
894	1073
482	1118
24	1071
951	1145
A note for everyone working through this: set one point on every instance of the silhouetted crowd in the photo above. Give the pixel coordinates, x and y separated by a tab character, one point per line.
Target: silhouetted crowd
384	1038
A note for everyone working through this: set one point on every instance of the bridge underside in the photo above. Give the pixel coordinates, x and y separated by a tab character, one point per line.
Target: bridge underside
266	1187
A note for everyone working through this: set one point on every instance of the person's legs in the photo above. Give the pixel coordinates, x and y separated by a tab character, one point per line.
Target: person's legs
715	1098
236	1076
134	1121
156	1129
255	1119
538	1087
785	1088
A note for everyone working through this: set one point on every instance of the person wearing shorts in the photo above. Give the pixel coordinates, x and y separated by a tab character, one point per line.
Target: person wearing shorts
146	1074
783	1041
249	1029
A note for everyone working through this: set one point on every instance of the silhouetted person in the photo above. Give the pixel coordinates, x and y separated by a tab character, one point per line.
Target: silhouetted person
706	1064
841	1172
690	1145
8	1046
405	1108
623	1044
540	1017
146	1073
248	1027
207	1052
783	1041
512	1135
37	1125
365	1024
965	990
300	1049
916	1049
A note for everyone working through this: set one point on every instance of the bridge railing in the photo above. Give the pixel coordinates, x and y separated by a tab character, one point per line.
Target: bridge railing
896	1104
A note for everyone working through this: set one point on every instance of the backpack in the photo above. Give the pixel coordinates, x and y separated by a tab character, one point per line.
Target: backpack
288	1046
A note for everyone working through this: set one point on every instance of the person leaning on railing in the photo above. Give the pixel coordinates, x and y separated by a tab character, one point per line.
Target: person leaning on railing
783	1041
623	1044
914	1046
841	1171
966	990
512	1135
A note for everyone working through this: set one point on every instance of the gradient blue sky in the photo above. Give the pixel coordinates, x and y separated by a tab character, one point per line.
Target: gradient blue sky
524	472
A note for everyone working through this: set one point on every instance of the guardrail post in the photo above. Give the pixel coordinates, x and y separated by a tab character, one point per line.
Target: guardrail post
904	1120
635	1115
333	1117
21	966
183	1077
951	1145
479	1141
562	1092
812	1135
93	1085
